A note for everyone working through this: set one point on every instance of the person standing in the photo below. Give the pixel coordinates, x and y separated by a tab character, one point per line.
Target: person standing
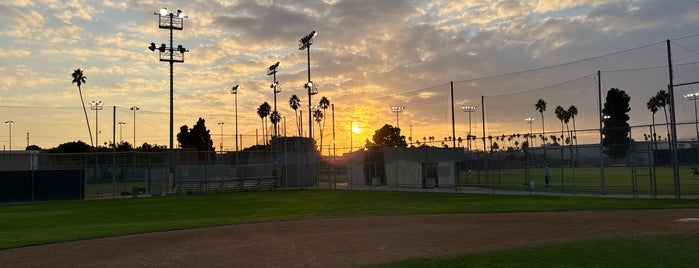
547	175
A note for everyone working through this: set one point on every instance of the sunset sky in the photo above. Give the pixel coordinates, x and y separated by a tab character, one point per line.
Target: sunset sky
368	55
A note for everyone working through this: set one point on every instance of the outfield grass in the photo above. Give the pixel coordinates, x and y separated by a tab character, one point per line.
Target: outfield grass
49	222
667	250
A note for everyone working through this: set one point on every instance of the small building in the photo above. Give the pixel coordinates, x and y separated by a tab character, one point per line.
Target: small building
426	167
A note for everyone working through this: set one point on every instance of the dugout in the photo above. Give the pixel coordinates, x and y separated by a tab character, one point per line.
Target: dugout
42	185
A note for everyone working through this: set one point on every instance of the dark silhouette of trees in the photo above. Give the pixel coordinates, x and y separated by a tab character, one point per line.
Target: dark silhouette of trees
197	137
33	147
72	147
263	111
275	117
616	127
388	136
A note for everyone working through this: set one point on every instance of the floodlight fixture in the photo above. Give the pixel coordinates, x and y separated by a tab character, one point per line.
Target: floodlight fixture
306	41
397	110
272	69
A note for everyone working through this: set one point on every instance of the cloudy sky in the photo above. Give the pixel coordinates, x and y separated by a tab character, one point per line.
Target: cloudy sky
367	56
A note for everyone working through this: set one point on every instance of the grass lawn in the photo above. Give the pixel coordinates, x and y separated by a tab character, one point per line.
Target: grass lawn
668	250
49	222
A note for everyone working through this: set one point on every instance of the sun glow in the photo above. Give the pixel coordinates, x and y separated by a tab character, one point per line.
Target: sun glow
356	129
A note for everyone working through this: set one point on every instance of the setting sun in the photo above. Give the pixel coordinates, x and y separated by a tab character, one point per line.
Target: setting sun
356	129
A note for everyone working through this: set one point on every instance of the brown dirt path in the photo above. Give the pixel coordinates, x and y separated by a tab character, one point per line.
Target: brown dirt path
347	241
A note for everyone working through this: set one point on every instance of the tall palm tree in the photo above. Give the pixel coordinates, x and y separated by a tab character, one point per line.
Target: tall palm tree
573	112
275	117
653	105
662	98
263	111
318	117
295	102
541	107
79	78
560	114
324	104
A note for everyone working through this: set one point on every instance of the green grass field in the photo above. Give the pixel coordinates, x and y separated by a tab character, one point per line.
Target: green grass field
668	250
50	222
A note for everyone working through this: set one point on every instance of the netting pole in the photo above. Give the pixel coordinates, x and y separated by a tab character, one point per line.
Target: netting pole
453	131
673	126
485	161
601	147
114	152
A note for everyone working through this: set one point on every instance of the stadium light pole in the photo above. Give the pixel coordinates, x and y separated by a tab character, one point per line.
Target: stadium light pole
272	70
220	123
96	106
469	109
171	22
134	109
397	110
305	43
234	91
693	97
121	133
530	121
9	123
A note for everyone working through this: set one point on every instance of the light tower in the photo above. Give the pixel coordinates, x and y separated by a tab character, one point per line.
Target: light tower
305	43
397	110
170	54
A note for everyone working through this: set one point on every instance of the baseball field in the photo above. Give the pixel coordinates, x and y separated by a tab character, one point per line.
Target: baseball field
339	228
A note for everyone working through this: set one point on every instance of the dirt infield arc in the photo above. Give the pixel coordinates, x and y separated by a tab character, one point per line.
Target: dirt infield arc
345	242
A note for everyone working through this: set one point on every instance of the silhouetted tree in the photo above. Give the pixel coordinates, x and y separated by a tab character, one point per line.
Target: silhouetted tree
197	137
33	147
294	103
541	107
72	147
388	136
79	79
616	128
323	104
263	111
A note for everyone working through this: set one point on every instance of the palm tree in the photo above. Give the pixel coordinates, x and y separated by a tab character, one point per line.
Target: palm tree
263	111
541	107
573	112
275	117
662	98
324	104
653	105
318	117
560	114
295	102
79	78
